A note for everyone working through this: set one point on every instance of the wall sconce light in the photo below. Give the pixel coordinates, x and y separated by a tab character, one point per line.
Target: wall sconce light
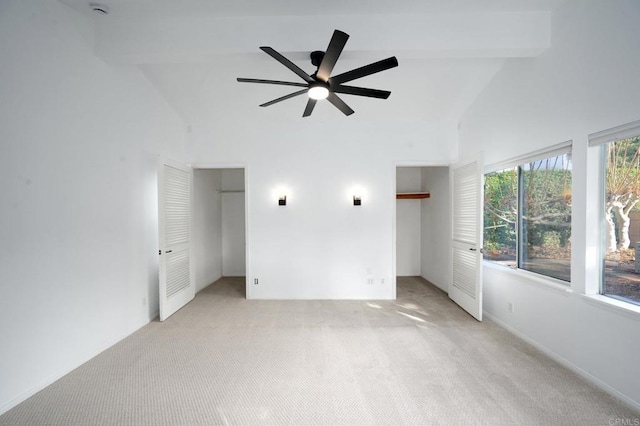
282	201
357	200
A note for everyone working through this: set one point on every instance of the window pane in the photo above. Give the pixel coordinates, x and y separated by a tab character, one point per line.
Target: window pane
622	220
545	217
500	216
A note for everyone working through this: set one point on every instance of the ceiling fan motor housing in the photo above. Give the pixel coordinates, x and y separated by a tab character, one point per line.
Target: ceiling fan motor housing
316	57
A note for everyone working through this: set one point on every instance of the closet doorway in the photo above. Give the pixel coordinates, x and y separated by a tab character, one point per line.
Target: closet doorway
219	225
423	223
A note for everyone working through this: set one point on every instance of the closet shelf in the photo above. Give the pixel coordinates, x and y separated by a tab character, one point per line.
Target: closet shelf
412	195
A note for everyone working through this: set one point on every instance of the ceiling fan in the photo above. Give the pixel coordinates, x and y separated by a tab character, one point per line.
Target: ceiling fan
320	84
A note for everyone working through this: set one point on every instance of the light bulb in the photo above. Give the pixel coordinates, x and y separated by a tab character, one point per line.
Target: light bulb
318	92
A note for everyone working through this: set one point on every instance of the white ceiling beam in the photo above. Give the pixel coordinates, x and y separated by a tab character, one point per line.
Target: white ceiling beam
444	35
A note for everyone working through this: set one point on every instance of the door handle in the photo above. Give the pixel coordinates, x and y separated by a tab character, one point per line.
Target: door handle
168	251
472	249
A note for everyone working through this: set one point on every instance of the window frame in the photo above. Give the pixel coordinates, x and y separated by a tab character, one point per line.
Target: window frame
517	163
600	141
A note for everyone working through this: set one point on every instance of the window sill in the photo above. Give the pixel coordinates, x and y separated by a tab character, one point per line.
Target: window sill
609	303
537	280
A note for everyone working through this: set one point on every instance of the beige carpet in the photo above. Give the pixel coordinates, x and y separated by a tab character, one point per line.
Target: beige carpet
226	360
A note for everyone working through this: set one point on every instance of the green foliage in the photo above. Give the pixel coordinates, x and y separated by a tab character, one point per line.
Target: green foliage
552	239
500	209
545	208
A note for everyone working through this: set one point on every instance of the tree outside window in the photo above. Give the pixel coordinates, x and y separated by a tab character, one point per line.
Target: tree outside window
501	216
527	216
622	195
545	217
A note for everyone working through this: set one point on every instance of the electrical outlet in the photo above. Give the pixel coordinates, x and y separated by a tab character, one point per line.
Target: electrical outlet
370	281
255	281
510	307
381	280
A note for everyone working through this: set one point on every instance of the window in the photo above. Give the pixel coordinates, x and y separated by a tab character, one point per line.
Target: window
527	215
621	224
501	216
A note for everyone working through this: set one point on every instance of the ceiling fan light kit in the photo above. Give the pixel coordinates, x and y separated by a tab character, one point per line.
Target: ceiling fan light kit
318	92
321	85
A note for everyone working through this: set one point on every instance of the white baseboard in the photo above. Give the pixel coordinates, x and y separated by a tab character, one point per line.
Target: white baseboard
635	405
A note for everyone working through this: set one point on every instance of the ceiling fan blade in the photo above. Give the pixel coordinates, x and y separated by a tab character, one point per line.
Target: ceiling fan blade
366	70
287	63
282	83
311	103
339	103
362	91
283	98
338	40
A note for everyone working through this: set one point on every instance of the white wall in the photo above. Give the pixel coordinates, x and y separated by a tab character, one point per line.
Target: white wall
207	227
78	212
233	223
435	235
408	223
586	82
320	246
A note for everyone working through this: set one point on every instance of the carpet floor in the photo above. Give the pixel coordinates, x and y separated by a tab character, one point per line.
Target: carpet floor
223	360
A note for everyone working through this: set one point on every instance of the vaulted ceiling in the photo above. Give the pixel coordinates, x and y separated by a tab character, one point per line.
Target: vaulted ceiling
193	50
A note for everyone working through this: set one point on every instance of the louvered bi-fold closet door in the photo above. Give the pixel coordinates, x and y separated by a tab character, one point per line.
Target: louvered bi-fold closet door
466	257
174	196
